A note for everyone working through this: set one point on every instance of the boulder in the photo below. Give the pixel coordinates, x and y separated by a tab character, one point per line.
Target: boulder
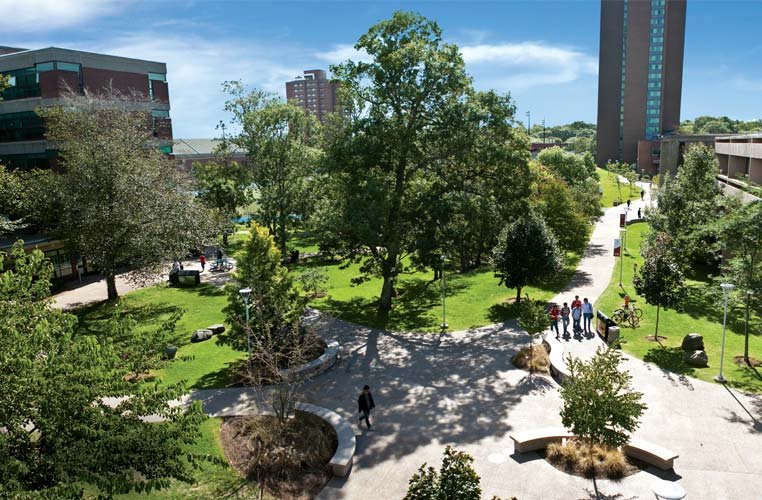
201	335
170	351
693	342
216	329
697	358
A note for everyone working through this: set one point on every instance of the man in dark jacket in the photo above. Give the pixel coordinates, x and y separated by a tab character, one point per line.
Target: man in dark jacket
365	404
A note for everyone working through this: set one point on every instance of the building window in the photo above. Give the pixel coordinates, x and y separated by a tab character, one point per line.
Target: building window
160	77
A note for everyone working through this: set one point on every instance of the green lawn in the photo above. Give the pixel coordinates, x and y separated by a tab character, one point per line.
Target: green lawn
701	314
473	298
200	365
610	190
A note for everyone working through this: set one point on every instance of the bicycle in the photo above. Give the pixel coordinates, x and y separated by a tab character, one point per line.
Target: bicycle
630	315
221	265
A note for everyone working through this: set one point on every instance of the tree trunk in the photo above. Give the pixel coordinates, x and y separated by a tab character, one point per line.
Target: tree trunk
111	286
656	333
225	239
746	333
518	295
385	301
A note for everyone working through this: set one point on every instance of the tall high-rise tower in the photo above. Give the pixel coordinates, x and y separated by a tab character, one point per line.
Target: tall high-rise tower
314	92
640	74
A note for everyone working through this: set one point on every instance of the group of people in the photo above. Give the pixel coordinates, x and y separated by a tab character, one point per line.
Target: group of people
580	313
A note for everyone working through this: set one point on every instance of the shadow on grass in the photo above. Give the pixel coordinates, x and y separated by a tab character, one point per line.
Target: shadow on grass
669	358
224	377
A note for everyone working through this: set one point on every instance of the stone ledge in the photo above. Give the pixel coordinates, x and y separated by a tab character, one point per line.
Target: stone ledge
341	462
556	355
314	367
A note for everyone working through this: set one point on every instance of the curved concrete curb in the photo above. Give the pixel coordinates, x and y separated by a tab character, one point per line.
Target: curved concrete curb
341	462
556	355
314	367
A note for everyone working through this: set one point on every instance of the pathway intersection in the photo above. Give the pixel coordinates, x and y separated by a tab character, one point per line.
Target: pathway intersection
461	389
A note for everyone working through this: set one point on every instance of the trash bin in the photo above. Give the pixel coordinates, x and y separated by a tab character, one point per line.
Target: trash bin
186	278
605	326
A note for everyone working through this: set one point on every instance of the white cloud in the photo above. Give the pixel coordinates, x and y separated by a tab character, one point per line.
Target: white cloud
46	15
341	53
515	66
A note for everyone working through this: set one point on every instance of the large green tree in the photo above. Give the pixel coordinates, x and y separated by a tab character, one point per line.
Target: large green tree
408	153
660	280
282	141
741	238
62	425
124	204
555	202
526	253
685	203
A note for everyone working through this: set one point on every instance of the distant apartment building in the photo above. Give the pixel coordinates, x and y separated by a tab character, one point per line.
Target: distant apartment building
314	92
39	78
639	78
189	151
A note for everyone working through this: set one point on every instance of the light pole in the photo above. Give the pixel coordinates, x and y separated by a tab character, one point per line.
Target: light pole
245	294
726	289
444	317
622	234
529	123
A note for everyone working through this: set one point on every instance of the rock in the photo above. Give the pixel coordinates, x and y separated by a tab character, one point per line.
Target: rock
201	335
218	328
693	342
697	358
170	351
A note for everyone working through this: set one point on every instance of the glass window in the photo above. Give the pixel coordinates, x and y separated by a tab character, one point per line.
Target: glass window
157	76
65	66
160	113
46	66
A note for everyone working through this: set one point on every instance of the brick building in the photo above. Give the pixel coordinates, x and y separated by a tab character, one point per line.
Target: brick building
639	77
314	92
40	77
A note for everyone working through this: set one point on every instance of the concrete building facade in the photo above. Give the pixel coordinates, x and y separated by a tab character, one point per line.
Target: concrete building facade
740	157
314	92
39	78
640	76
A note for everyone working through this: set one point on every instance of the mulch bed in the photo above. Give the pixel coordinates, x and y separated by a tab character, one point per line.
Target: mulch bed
305	475
742	362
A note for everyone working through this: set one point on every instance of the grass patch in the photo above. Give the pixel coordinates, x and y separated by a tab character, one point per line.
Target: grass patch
701	313
473	298
610	191
200	365
576	457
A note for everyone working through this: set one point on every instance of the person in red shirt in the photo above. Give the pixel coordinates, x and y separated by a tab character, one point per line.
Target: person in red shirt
202	260
554	313
576	302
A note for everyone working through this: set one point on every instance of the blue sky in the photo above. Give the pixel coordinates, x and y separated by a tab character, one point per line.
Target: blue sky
544	53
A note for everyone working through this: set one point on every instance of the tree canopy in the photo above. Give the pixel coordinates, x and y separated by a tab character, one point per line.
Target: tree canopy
124	204
60	429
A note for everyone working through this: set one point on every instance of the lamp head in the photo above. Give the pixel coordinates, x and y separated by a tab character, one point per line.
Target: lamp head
245	293
727	287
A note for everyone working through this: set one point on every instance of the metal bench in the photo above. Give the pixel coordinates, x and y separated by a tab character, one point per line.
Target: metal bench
538	439
650	453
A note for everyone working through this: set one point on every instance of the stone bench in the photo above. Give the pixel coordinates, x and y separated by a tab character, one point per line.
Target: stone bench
539	439
556	356
650	453
314	367
341	461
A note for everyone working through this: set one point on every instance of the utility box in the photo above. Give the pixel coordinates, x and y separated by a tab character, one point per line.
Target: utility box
185	278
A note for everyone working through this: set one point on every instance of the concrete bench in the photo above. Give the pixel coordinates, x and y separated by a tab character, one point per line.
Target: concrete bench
341	462
538	439
314	367
650	453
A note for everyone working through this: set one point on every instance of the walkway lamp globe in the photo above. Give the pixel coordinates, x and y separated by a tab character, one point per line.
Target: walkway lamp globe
245	294
726	289
444	325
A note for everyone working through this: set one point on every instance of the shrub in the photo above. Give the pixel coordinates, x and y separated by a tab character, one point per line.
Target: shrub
456	479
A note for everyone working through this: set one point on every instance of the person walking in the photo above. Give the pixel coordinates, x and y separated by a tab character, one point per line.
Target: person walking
202	261
587	314
628	203
576	313
642	193
365	405
565	311
576	302
554	312
638	213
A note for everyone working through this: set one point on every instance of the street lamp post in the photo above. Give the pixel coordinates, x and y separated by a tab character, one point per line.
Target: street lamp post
444	316
726	289
622	234
245	294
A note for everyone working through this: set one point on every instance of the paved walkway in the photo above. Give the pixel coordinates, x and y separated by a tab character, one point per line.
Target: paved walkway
461	389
